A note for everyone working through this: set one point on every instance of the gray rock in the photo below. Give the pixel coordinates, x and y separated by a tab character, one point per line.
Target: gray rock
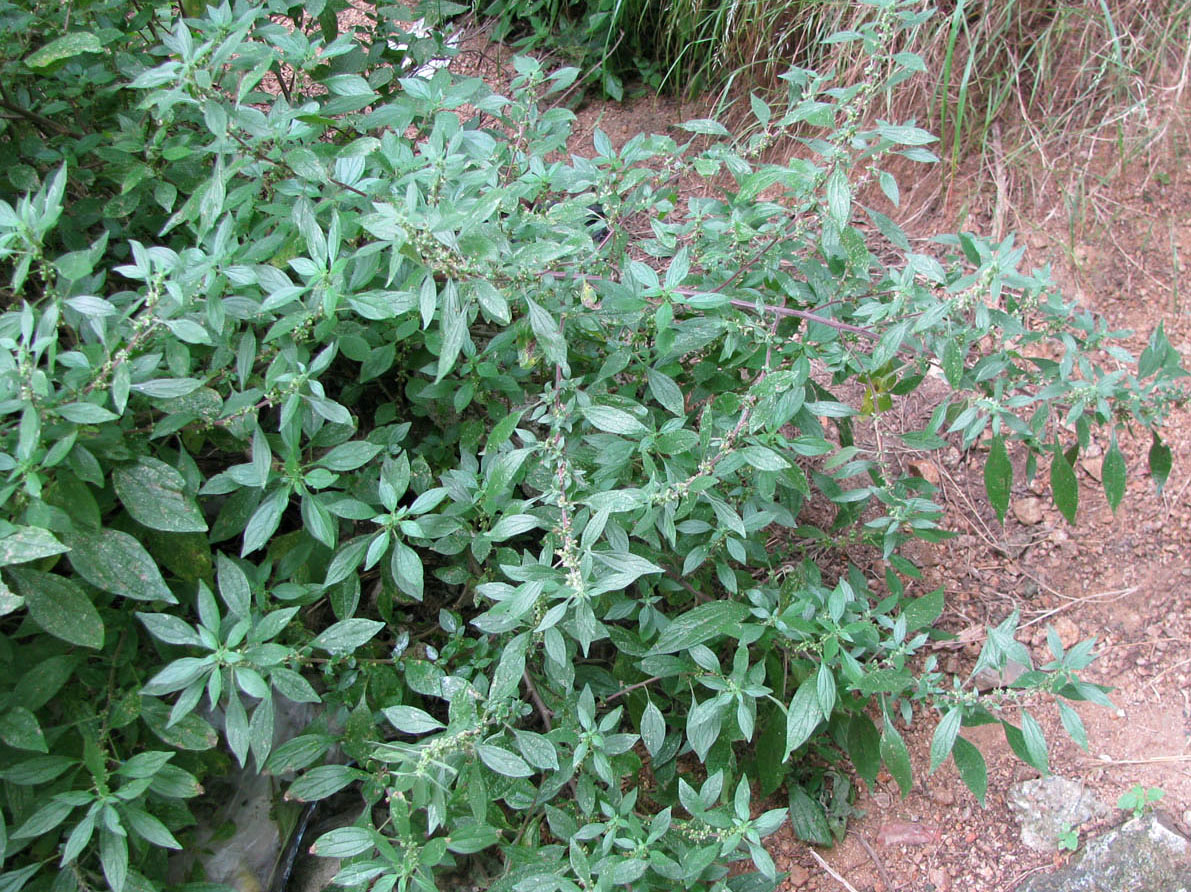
1049	805
1142	855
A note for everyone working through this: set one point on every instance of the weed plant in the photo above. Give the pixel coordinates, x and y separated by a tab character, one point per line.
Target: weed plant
337	393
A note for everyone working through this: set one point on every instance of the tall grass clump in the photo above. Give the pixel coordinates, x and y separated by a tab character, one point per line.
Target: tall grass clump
1059	82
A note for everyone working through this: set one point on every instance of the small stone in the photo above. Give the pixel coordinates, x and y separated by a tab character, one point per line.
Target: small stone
1046	806
798	875
1092	467
941	795
1143	855
927	470
1068	632
987	679
939	878
1028	511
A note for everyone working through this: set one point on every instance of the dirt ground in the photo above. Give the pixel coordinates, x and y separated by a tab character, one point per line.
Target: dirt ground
1116	243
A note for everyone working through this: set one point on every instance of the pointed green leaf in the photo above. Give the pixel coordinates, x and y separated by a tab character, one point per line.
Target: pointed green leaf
864	747
897	757
803	716
502	761
808	819
1160	460
347	635
653	728
154	494
1035	742
998	477
65	47
1073	724
60	607
537	750
19	728
1063	485
972	768
27	544
116	562
411	720
1112	475
701	624
113	856
944	738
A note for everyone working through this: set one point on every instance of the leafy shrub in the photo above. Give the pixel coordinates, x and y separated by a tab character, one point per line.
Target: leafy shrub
363	396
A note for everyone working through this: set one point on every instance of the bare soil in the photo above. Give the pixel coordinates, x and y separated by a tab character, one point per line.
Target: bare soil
1116	243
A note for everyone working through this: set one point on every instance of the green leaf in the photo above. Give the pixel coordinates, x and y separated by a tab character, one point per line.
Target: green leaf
65	47
667	392
292	686
864	747
116	562
113	855
839	197
998	477
1073	724
803	716
1035	742
897	757
502	761
26	544
953	363
60	607
411	720
546	330
506	680
37	770
350	456
944	738
44	820
920	613
406	567
167	388
149	828
347	635
343	842
972	768
1112	475
537	750
808	819
614	421
19	728
265	520
825	690
653	728
701	624
191	732
1026	752
705	127
154	494
1160	462
1064	485
323	781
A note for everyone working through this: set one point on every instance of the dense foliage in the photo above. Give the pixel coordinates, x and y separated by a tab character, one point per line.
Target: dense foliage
327	382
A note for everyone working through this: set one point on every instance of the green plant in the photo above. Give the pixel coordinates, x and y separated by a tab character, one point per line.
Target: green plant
1139	799
344	396
1068	838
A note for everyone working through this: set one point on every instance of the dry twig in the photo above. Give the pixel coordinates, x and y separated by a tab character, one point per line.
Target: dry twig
831	872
